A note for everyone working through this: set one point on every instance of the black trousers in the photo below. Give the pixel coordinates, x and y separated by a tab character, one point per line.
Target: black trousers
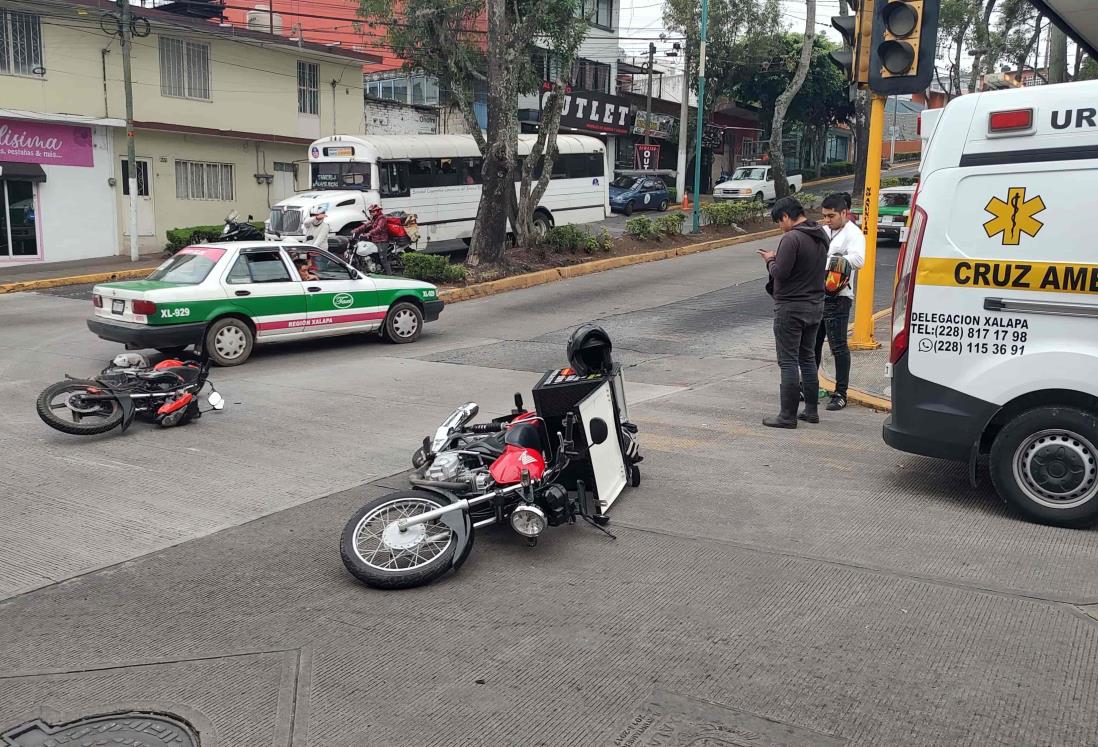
836	322
795	327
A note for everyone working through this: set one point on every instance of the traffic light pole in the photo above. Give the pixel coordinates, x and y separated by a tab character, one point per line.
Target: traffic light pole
863	291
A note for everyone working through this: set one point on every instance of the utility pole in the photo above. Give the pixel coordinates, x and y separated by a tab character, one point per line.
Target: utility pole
648	98
131	147
684	126
862	338
696	224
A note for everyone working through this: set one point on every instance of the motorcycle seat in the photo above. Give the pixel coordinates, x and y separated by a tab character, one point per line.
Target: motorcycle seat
188	375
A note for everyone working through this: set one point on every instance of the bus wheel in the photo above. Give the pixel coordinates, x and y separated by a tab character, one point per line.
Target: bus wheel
542	223
1044	462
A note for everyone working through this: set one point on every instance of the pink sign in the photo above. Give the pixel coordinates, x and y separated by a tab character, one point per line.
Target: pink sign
45	143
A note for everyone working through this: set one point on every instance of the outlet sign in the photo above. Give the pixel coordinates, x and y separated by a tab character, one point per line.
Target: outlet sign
595	112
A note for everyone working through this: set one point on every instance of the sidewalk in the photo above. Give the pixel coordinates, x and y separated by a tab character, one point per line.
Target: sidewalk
869	383
100	269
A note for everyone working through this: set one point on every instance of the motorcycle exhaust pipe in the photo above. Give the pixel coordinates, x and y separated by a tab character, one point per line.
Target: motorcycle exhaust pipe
462	505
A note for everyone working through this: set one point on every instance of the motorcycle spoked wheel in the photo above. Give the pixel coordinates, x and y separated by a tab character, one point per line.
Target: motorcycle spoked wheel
90	420
377	553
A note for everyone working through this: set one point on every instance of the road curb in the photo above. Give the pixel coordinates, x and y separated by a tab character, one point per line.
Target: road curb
541	277
97	277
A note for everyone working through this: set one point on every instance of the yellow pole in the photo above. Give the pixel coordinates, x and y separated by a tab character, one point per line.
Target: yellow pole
863	289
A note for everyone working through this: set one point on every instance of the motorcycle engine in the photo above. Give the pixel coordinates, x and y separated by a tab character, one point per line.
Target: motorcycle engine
450	467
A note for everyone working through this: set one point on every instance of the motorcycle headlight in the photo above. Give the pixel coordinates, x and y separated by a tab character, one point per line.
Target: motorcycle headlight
528	520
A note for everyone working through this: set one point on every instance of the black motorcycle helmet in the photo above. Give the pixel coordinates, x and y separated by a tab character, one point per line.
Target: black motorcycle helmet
589	350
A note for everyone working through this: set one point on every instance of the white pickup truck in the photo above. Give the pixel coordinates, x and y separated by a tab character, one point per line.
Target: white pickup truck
753	183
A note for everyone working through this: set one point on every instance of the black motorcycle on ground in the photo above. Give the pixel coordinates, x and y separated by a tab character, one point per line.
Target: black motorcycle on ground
167	394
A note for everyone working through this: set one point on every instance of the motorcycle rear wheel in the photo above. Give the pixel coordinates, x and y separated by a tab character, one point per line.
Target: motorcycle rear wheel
55	399
379	555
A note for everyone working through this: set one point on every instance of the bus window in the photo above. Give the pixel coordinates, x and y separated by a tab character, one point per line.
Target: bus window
394	179
470	170
421	173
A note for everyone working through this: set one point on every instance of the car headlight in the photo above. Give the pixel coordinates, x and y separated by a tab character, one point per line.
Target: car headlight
528	520
745	191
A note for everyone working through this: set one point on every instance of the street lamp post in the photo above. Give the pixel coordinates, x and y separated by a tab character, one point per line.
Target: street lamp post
696	223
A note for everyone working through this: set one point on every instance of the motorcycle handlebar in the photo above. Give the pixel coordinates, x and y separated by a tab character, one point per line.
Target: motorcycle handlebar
486	428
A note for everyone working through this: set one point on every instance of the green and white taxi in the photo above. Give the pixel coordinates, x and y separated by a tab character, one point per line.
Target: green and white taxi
227	297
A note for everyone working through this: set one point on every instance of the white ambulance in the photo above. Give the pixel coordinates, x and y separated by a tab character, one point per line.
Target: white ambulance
995	317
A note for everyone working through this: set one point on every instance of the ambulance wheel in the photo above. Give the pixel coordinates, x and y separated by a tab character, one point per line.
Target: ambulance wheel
403	323
229	341
1044	462
635	476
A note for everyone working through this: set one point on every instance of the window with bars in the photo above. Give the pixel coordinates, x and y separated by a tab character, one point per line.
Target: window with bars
20	43
184	68
308	88
195	180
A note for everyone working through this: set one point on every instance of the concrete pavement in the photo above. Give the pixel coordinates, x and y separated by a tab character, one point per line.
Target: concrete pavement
766	587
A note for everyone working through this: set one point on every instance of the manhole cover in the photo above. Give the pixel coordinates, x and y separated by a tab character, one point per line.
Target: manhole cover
133	729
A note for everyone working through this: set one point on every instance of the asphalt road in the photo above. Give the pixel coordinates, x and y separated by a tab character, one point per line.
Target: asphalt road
765	587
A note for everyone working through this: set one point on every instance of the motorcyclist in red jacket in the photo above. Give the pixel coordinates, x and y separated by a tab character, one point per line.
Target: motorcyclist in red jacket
377	229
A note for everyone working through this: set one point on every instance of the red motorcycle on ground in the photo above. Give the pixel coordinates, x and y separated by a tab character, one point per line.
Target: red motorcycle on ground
518	469
167	393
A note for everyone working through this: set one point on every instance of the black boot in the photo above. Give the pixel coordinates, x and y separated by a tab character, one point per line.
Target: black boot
787	418
811	395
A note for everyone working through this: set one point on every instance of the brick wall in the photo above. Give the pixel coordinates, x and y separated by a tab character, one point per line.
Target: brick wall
392	118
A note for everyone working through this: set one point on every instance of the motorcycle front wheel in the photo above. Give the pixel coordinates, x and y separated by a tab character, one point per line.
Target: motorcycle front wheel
377	553
61	408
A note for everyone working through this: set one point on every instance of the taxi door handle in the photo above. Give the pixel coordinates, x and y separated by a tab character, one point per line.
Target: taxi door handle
313	288
243	293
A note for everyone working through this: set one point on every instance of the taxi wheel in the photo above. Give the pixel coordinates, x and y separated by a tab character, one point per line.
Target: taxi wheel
403	323
663	206
1044	462
628	209
229	341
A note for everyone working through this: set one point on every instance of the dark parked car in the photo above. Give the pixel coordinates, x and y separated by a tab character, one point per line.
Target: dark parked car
629	193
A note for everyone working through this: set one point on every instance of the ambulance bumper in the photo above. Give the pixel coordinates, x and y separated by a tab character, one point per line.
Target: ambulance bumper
933	420
144	336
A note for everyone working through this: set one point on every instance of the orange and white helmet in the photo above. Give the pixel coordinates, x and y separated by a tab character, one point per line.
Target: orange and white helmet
374	209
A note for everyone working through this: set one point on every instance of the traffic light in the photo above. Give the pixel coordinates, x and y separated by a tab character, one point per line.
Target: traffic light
902	47
854	29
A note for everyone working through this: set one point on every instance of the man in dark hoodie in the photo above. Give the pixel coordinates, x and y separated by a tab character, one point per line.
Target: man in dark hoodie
797	272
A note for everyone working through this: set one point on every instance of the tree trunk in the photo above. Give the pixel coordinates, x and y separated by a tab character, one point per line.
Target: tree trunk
497	175
983	38
1057	56
542	154
781	106
861	141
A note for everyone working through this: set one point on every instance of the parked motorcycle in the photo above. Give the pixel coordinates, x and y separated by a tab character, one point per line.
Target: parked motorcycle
236	230
167	394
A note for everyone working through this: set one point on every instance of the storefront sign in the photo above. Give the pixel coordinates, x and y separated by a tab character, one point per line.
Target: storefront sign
647	157
660	126
45	143
595	112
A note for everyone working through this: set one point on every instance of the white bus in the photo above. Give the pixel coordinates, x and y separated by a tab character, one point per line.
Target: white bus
437	177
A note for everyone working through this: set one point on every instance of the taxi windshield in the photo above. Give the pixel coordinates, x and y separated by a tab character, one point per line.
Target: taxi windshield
189	266
625	182
895	199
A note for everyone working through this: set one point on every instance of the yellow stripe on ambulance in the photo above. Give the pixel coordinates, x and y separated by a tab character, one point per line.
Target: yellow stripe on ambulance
1057	277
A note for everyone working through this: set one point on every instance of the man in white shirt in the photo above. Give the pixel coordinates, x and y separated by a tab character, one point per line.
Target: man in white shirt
316	228
848	241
